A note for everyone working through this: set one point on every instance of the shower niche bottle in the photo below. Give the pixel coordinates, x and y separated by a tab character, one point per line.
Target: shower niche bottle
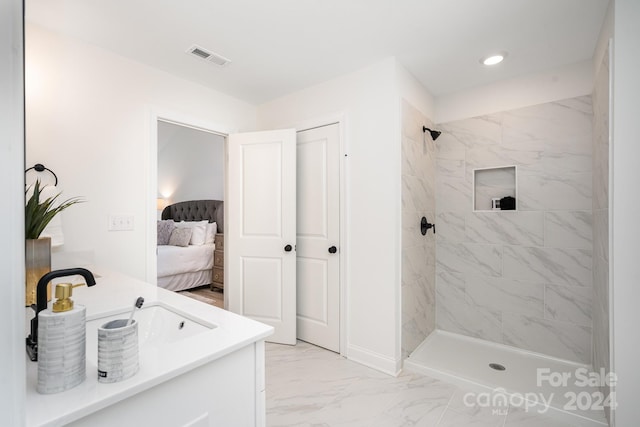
61	343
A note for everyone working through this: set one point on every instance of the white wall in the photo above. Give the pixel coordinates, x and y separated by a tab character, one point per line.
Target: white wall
412	91
190	164
368	100
12	327
606	32
625	177
89	119
416	307
418	300
562	83
602	285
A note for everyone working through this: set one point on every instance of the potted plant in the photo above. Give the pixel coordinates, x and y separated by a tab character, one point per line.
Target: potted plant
38	214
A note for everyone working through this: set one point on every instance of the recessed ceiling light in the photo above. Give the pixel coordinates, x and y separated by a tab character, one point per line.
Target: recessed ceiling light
493	59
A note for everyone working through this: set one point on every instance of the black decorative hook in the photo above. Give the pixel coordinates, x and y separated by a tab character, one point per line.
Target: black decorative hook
39	167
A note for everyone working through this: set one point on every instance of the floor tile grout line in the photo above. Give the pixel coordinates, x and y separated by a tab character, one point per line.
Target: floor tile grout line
447	407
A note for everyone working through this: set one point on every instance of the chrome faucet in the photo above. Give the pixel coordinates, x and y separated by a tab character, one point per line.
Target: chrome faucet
41	302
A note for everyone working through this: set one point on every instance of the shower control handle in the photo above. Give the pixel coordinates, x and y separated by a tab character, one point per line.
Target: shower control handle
425	225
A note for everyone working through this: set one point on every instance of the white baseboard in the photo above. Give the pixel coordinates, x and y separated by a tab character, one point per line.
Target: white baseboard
374	360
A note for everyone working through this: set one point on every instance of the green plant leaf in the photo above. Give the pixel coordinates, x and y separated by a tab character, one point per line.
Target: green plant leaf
39	214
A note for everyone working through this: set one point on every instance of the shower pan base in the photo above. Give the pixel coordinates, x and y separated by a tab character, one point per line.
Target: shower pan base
465	361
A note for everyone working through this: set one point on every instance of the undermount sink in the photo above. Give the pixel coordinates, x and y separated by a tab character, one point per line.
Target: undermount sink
158	326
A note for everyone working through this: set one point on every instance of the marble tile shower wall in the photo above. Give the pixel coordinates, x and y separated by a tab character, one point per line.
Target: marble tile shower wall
418	251
601	218
521	278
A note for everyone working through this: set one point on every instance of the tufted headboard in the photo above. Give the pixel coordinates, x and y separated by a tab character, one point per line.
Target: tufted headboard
197	210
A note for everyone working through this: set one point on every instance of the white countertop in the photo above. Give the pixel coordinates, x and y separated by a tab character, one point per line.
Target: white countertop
114	293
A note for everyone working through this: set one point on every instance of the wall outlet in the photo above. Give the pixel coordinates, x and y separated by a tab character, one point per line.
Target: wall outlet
120	223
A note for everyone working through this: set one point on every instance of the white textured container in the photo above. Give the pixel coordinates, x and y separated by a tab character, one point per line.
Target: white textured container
61	349
117	351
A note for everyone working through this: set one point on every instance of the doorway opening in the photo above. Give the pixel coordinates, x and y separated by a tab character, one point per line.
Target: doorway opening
187	186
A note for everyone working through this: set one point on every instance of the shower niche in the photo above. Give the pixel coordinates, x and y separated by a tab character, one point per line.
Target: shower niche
495	189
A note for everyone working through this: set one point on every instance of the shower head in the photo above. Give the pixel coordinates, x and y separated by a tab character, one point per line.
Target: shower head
434	133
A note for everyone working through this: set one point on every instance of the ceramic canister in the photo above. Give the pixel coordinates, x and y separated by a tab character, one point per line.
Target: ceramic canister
117	351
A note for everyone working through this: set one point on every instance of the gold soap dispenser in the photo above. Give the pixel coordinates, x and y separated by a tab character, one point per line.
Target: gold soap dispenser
61	343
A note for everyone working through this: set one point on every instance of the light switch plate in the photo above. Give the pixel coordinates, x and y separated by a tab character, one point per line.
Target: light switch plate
121	223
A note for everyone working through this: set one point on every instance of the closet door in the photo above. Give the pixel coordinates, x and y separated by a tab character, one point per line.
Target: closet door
261	230
318	260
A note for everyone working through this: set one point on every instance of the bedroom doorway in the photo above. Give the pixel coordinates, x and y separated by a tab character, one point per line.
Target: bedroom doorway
191	181
186	163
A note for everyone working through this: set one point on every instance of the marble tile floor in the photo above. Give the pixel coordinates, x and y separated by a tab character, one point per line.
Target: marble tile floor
310	386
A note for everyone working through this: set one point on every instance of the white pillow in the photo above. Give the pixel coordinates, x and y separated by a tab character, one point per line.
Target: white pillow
180	237
212	229
198	231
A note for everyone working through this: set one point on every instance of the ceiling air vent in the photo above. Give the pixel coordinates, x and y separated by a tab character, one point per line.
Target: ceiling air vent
202	53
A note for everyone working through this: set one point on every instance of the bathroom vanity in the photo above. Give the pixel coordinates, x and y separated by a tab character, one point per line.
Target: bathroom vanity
199	365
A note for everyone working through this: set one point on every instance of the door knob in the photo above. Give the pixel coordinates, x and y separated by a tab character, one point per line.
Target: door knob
288	248
333	250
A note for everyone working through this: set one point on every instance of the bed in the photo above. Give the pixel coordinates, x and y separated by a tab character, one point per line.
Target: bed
188	266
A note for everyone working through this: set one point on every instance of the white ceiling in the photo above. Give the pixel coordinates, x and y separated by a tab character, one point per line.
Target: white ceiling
280	46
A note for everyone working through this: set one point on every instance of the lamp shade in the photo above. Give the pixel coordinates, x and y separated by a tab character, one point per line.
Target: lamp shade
161	203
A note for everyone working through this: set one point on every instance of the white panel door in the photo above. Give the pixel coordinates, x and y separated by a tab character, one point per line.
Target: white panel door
261	230
318	218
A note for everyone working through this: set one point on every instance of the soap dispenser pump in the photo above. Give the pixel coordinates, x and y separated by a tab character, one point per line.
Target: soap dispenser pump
63	297
61	343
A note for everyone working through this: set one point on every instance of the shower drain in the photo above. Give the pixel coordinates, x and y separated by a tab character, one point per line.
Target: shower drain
497	366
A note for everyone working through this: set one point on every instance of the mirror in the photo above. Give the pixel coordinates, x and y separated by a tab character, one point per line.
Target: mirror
91	116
